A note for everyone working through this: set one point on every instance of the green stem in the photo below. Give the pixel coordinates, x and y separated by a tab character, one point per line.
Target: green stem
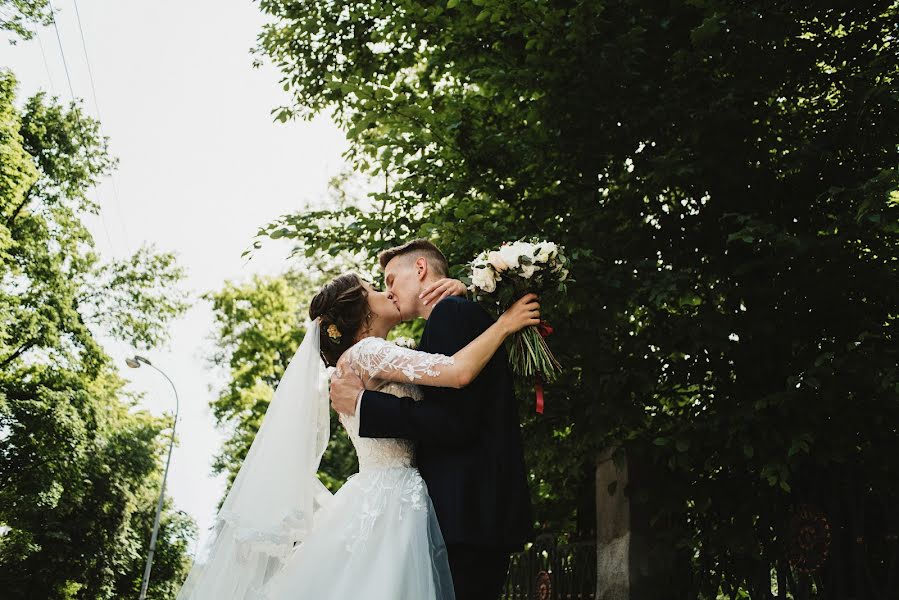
530	356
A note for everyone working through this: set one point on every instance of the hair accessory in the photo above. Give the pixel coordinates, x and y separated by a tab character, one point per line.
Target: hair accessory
334	333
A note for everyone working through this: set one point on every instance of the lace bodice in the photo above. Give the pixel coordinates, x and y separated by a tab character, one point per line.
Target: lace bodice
372	359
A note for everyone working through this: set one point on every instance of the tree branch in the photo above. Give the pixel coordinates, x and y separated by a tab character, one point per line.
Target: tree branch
21	205
17	353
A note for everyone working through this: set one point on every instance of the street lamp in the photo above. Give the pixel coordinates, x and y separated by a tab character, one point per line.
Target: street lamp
135	363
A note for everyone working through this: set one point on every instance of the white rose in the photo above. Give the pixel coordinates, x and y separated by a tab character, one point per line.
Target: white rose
527	271
510	254
479	262
526	248
497	261
484	279
548	250
517	250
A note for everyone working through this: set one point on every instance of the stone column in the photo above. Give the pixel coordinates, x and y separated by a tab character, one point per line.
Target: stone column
636	560
613	529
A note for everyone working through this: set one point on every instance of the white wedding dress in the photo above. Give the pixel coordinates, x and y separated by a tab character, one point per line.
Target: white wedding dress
377	538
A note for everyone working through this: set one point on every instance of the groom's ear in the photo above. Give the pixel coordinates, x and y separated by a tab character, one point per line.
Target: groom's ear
421	267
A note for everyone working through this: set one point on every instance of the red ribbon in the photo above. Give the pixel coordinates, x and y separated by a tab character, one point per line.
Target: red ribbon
544	330
538	387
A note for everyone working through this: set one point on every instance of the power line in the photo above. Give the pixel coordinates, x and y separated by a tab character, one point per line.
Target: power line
90	73
65	65
44	56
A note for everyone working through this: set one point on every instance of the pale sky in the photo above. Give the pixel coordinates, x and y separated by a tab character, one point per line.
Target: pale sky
202	166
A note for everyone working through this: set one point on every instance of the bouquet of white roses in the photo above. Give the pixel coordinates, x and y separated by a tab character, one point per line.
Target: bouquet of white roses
499	277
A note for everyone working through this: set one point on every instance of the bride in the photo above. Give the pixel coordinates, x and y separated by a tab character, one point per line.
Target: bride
280	534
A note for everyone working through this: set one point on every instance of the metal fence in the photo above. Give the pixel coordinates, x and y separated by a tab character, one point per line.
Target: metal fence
553	572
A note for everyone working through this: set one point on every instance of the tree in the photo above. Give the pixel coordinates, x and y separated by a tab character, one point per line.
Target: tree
80	464
724	177
16	15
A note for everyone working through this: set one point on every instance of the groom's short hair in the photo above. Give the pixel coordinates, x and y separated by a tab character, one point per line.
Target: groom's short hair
414	249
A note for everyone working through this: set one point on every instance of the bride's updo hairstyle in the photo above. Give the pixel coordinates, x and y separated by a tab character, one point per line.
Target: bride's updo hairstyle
342	307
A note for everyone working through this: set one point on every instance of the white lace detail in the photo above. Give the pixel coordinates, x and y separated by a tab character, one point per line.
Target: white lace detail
376	357
381	489
382	453
371	358
252	541
386	465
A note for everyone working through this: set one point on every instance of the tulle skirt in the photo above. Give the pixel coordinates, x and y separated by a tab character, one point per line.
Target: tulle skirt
378	539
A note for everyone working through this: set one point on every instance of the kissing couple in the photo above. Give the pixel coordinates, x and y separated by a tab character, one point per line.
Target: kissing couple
441	498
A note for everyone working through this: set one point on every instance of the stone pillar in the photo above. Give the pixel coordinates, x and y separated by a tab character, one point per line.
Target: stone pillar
613	529
635	560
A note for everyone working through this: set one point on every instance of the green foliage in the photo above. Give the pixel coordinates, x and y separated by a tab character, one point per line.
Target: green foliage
723	176
16	15
80	467
80	476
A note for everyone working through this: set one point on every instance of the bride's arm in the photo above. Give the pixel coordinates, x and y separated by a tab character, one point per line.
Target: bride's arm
388	362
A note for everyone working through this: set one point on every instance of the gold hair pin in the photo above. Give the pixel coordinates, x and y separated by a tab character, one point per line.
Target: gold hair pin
334	333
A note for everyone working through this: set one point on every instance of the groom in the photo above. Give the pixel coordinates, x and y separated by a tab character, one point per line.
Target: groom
468	442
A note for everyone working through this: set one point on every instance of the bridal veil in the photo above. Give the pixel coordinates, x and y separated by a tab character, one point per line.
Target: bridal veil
272	504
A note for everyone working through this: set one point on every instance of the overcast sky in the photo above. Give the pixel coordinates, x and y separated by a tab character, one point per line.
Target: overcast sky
202	166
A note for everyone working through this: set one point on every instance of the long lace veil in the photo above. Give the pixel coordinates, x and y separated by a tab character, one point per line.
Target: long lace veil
272	503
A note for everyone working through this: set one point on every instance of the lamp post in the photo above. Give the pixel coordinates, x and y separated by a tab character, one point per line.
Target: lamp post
135	363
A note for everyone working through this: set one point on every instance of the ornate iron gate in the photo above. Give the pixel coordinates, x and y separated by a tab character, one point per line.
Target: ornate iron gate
553	572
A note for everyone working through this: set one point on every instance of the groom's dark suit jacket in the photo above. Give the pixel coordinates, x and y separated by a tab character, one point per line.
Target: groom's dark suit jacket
468	441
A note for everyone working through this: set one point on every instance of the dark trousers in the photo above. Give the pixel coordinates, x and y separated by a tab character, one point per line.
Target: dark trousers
479	572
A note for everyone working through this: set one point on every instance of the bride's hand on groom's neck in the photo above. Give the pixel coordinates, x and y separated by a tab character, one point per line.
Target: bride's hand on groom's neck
440	289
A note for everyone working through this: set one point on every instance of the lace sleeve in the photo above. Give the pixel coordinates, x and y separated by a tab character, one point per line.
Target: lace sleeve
380	359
